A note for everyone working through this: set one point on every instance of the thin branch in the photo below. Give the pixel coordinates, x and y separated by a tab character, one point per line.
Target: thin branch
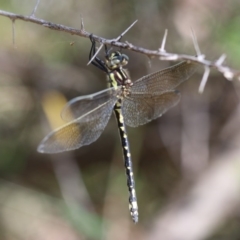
53	26
226	71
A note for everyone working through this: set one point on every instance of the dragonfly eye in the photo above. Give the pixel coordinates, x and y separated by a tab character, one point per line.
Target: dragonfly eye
125	59
117	54
116	60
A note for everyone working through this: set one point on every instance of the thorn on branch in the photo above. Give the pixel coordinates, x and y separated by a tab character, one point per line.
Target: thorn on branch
228	74
129	45
13	32
201	57
195	43
220	61
35	9
82	24
123	33
162	49
96	53
204	79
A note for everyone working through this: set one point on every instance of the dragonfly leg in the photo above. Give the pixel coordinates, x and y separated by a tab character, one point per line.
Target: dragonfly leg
97	62
107	51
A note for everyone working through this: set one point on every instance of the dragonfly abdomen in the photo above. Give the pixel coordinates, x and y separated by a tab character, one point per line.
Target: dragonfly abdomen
133	206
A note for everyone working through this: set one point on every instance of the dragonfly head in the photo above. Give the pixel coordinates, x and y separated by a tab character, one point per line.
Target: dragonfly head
116	60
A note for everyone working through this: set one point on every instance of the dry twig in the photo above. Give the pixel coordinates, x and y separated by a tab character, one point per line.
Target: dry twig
227	72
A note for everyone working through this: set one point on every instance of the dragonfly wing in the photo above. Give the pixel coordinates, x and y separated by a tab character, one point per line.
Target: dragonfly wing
166	79
79	132
139	109
80	106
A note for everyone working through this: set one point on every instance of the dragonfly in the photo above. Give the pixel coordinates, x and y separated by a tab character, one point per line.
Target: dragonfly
134	103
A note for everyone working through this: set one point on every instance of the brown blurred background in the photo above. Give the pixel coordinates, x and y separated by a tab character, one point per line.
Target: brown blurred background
82	194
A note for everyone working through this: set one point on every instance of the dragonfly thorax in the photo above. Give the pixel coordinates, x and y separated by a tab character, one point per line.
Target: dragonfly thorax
119	77
116	60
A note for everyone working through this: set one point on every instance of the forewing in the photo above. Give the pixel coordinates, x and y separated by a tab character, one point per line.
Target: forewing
139	109
80	106
166	79
79	132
